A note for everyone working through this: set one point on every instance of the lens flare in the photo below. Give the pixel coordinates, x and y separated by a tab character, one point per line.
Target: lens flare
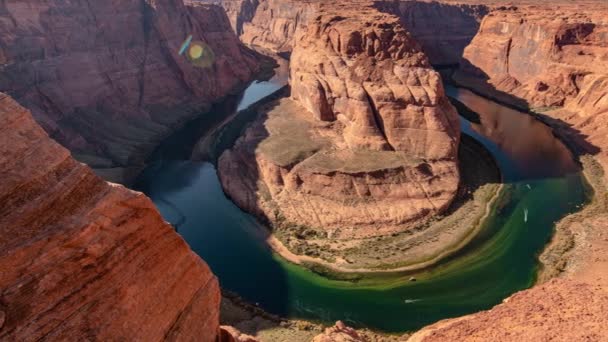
185	45
200	54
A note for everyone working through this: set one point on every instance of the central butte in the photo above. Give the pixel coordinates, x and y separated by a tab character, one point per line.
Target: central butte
367	143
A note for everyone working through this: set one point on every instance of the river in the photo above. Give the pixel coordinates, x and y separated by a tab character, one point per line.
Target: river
543	184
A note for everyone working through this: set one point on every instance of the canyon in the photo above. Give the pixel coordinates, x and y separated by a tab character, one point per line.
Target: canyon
381	135
365	146
552	61
106	79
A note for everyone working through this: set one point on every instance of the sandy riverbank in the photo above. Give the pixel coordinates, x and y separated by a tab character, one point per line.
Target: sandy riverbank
428	245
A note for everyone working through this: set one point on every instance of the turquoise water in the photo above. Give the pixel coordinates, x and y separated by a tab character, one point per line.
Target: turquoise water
540	175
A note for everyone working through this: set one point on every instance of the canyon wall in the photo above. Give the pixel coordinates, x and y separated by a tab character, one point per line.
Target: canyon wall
274	23
552	60
105	78
442	29
84	259
538	56
367	144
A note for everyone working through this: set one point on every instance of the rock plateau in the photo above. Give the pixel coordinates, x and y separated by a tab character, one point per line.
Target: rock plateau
367	143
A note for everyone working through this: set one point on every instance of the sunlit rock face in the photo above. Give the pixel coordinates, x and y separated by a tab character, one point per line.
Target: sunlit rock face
540	56
546	58
367	143
105	78
269	24
84	259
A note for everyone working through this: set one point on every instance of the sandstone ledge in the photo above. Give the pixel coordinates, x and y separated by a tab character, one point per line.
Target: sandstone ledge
85	259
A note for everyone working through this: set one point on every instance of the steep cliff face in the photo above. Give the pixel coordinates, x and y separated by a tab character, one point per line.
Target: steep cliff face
442	29
543	57
540	56
105	78
274	24
84	259
367	143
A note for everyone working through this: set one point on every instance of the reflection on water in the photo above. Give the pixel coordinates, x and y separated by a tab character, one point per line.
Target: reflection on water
504	260
523	147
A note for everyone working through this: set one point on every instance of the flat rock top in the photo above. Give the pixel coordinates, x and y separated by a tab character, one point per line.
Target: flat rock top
291	137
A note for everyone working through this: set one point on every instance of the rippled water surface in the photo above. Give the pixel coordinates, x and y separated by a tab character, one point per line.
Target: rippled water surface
541	177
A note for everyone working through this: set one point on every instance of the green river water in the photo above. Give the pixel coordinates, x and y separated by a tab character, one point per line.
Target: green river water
540	177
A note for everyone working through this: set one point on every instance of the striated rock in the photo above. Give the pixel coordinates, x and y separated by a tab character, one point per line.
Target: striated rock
82	259
561	310
239	12
443	29
274	24
367	143
105	78
537	56
549	56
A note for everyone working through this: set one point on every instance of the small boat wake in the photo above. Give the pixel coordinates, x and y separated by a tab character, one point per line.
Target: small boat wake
408	301
526	215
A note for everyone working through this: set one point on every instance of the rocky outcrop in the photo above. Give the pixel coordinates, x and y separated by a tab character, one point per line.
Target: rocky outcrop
443	29
546	59
367	143
239	12
561	310
540	56
106	79
339	332
549	56
274	24
83	259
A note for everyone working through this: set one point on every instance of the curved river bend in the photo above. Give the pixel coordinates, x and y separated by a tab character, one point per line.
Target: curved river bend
542	186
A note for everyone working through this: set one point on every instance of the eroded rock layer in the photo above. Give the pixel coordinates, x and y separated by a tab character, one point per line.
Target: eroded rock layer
105	78
367	143
538	56
274	24
443	29
83	259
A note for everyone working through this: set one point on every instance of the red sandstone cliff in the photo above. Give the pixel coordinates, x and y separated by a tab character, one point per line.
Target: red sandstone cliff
442	29
538	55
104	78
82	259
367	143
549	56
274	23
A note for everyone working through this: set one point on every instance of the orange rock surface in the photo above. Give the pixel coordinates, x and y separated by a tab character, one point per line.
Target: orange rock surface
105	78
367	143
83	259
544	56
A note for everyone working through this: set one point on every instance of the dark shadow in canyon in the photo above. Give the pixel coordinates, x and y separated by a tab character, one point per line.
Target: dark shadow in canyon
189	195
472	78
443	30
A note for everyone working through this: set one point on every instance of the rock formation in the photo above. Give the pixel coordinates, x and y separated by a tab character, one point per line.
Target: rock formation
538	56
561	310
82	259
274	23
542	57
442	29
339	332
105	78
367	143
